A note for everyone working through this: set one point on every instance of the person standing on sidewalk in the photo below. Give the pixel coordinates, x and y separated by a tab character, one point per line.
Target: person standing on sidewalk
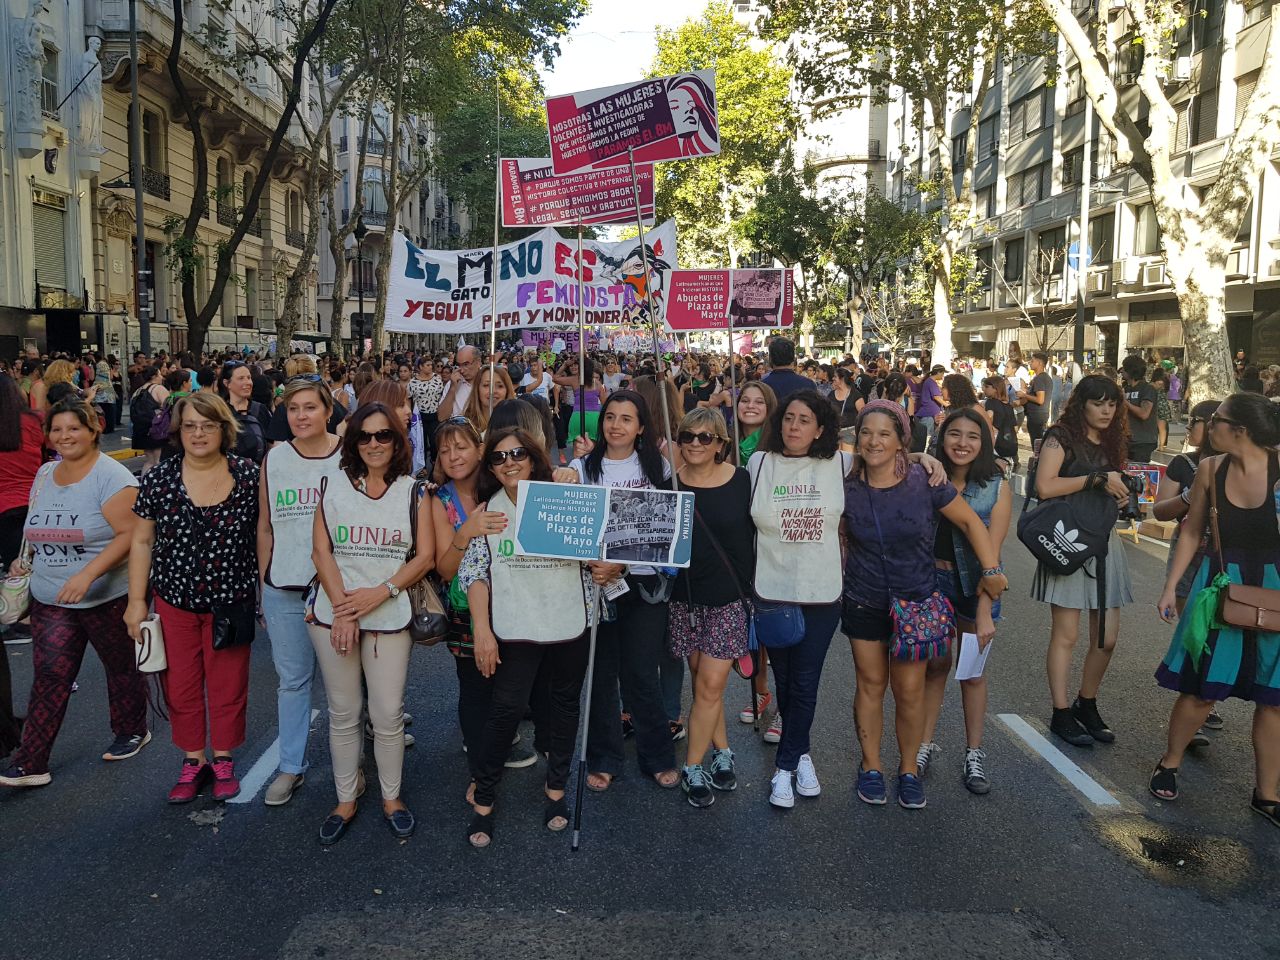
80	526
1036	398
193	546
1140	401
291	479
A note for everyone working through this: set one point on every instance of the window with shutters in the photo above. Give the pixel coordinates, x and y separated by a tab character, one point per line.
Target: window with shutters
1014	251
1208	20
989	136
50	94
1181	133
1075	91
1030	185
1072	166
959	152
986	201
1204	116
49	241
1051	248
1245	86
985	256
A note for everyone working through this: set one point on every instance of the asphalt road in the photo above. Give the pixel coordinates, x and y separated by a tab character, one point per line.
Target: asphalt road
98	866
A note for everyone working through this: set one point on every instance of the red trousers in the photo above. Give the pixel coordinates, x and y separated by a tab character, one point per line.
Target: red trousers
197	675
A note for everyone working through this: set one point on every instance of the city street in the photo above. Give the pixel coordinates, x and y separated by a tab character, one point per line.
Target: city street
1036	869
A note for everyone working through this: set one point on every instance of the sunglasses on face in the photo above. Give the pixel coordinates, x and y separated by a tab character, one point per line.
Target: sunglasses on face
1216	418
305	378
688	437
515	454
383	437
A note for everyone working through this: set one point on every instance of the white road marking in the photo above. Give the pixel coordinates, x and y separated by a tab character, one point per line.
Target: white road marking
1093	791
252	782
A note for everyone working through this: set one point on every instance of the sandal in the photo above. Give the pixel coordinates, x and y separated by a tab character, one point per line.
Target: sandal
601	782
1164	783
481	825
1268	808
659	779
554	810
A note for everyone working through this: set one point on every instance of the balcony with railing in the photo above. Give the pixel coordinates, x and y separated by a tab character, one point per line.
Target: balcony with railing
255	227
295	238
49	99
226	215
372	218
155	183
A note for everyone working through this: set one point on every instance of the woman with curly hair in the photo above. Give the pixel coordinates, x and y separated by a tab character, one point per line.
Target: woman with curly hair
1084	450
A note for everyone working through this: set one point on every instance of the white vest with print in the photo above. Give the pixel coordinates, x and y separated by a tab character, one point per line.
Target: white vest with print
371	539
796	504
293	493
532	599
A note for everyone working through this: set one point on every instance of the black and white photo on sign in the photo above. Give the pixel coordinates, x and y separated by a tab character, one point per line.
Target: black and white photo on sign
648	526
757	298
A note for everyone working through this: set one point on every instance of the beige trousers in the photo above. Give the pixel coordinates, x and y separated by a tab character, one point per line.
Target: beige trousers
383	659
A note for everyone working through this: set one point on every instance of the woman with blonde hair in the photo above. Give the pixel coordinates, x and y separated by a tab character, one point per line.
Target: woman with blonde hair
193	550
479	409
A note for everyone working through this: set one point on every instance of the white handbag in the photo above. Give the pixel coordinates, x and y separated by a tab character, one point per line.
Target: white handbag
150	649
15	591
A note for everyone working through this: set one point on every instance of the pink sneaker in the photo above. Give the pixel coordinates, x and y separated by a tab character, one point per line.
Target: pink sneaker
193	777
225	784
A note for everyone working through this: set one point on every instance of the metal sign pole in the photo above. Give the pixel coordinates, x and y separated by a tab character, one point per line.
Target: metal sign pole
497	219
653	316
733	374
582	346
581	788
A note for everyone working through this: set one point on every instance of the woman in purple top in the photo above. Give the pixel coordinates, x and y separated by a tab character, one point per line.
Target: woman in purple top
929	402
883	500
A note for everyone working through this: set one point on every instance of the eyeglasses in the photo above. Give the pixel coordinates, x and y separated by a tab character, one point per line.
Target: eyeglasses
1216	418
515	455
233	364
687	437
460	422
383	437
199	427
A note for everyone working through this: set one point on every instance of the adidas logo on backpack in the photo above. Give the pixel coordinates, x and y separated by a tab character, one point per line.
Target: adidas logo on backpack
1064	542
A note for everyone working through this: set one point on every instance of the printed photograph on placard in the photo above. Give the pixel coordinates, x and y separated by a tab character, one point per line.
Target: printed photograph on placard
558	520
649	527
757	298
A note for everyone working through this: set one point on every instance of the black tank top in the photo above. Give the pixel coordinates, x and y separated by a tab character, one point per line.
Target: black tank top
1252	531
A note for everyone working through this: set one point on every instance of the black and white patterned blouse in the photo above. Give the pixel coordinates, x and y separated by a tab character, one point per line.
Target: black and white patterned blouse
202	556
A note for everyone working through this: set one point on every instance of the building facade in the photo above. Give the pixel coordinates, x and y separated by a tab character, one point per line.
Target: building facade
73	173
1027	178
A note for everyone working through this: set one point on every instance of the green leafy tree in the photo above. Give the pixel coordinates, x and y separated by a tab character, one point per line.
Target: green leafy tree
709	196
936	53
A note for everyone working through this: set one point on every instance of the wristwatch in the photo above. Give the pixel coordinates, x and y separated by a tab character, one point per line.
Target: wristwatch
391	588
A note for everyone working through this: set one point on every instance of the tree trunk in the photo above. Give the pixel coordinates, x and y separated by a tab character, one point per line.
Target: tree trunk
943	350
1202	304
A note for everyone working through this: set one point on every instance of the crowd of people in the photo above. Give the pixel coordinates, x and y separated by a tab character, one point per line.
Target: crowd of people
868	500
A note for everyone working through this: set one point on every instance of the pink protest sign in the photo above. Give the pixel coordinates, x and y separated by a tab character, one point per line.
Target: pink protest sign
533	196
666	118
705	299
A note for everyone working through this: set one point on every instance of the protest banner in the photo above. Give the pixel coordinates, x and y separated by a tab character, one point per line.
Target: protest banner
709	299
452	291
649	527
555	341
533	196
666	118
563	521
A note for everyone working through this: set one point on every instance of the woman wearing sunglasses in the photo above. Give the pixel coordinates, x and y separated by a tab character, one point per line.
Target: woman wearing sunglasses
1241	487
289	491
629	647
515	648
708	606
458	518
370	542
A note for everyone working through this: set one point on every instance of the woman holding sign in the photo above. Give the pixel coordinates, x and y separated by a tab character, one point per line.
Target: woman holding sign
517	649
628	648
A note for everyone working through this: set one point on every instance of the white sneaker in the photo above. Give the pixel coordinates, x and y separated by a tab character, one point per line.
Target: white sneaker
774	732
807	778
924	756
780	794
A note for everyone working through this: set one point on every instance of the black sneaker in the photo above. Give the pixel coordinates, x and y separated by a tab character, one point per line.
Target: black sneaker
15	776
1086	711
697	786
678	731
722	775
1065	725
16	634
126	746
520	756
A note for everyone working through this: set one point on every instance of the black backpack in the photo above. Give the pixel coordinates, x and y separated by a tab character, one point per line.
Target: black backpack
1064	532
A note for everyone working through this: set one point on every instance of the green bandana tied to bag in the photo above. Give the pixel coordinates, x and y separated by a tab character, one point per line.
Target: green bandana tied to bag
1202	616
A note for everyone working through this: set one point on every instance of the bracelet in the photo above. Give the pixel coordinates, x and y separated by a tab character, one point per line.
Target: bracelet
460	549
993	571
1185	496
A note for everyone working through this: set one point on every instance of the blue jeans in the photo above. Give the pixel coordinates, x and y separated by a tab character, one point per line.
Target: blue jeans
295	662
796	673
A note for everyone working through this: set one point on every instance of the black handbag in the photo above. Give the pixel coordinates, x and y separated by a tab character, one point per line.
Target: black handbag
234	624
429	623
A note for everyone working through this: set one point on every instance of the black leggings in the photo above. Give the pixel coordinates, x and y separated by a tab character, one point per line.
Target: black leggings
11	524
565	666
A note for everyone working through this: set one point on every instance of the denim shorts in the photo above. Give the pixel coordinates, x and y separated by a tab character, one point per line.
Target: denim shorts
865	623
948	584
